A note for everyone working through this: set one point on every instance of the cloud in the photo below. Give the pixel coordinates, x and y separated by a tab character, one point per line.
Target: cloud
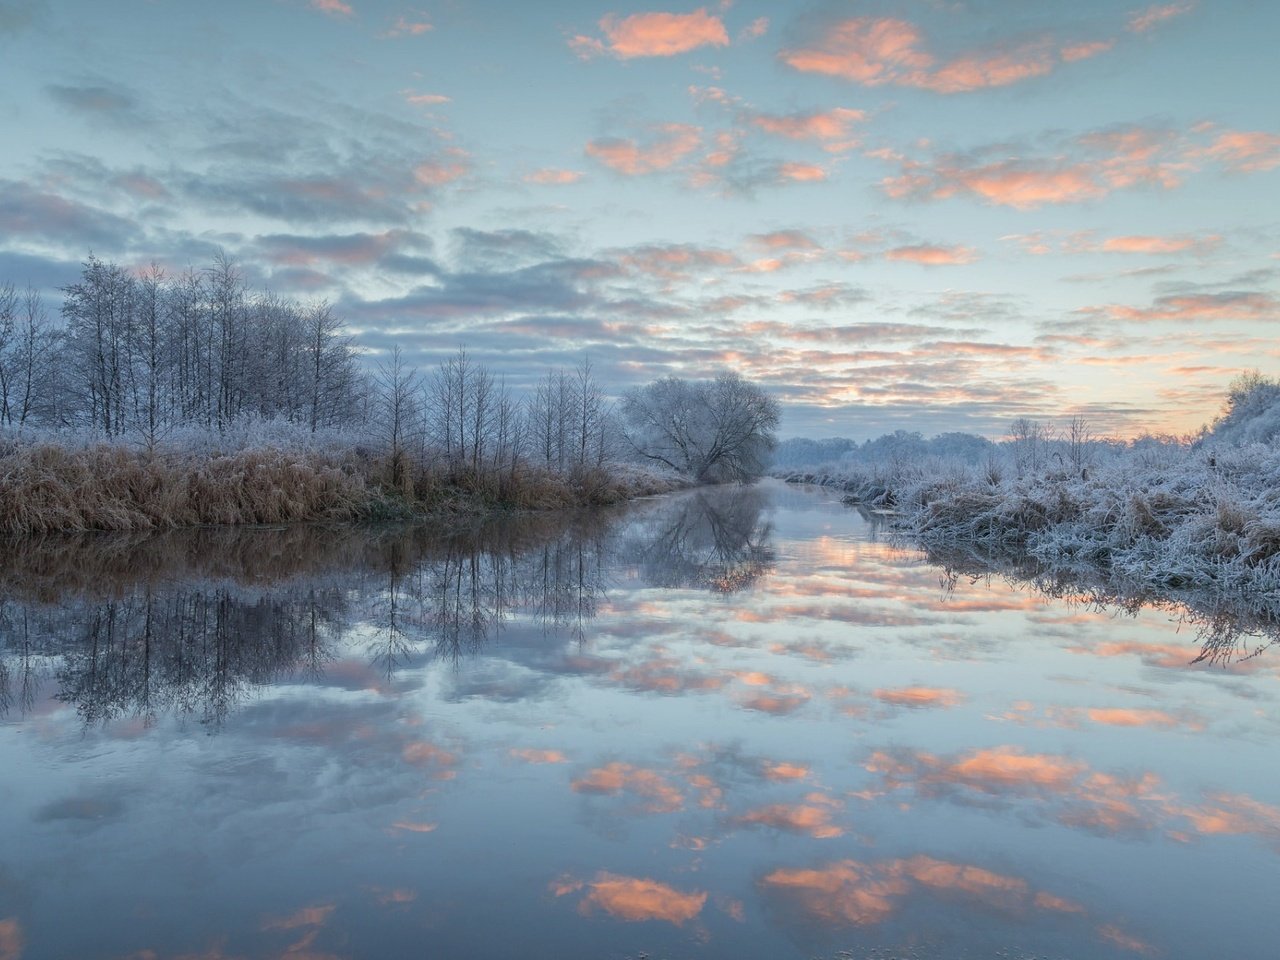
932	255
11	939
334	8
919	697
1084	50
531	755
425	99
634	899
404	27
656	792
755	29
1153	16
453	164
653	35
28	212
875	51
94	99
801	172
1246	151
1243	305
1161	245
671	143
552	176
812	818
827	125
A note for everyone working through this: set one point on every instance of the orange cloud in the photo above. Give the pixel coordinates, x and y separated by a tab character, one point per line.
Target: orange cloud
920	697
636	899
784	770
654	35
865	50
615	778
549	176
1246	151
875	51
1151	244
832	124
801	172
423	753
631	158
1153	16
1006	183
813	819
932	255
852	893
1083	51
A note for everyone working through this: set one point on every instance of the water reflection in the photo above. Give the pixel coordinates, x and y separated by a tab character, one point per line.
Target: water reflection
1228	628
729	723
193	621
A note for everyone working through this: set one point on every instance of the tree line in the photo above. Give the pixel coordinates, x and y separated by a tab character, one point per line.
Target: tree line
141	355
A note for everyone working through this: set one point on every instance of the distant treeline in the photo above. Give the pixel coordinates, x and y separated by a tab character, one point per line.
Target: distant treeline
149	355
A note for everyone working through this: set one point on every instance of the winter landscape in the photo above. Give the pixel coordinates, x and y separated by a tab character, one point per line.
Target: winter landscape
565	480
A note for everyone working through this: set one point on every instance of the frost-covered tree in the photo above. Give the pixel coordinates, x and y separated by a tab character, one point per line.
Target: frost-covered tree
713	431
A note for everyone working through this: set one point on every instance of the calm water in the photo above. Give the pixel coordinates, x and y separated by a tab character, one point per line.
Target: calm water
725	724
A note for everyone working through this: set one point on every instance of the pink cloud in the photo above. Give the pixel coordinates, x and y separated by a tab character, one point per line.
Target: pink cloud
1197	307
334	8
932	255
631	158
404	27
653	35
437	173
1010	183
634	899
786	240
1084	51
827	125
876	51
1154	244
549	176
801	172
424	99
755	29
1246	151
1153	16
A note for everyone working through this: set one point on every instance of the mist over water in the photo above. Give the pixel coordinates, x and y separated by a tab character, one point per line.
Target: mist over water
728	722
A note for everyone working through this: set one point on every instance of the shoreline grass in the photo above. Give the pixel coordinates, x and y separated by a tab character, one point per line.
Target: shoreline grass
48	487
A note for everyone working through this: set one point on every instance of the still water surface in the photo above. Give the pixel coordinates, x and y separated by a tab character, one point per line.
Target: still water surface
730	723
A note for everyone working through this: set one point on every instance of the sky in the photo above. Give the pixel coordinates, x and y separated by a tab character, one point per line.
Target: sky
923	215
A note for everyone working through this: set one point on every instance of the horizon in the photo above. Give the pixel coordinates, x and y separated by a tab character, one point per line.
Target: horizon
1041	213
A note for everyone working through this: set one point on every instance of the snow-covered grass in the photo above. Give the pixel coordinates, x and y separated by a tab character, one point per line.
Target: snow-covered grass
1147	519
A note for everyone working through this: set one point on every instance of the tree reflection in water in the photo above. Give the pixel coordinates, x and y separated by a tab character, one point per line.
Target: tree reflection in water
192	622
714	538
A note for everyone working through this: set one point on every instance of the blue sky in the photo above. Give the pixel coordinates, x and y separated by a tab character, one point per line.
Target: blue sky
925	215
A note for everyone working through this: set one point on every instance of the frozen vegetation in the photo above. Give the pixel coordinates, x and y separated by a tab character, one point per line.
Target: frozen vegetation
154	400
1150	518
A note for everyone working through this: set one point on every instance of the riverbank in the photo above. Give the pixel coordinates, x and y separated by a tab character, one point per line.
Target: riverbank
48	487
1202	520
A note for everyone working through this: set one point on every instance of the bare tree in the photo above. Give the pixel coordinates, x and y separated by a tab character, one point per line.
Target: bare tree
711	431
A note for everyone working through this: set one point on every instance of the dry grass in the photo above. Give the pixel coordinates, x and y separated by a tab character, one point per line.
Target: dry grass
46	488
